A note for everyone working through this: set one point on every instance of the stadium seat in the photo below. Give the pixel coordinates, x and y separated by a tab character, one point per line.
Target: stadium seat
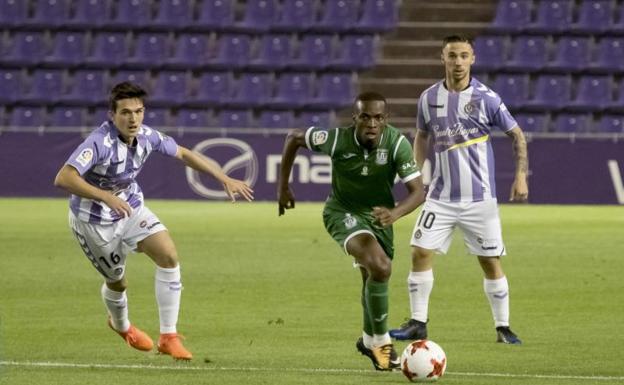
27	50
314	53
611	123
157	117
13	12
46	88
315	118
336	90
512	16
98	116
193	118
90	13
11	86
337	16
617	104
215	15
513	89
48	14
552	92
235	118
151	49
133	14
170	89
378	16
274	53
593	93
529	53
87	88
27	116
68	50
174	14
110	49
68	117
293	90
609	57
618	25
295	16
251	90
276	119
259	16
571	55
553	16
490	52
356	53
233	52
191	51
532	122
214	88
595	17
572	123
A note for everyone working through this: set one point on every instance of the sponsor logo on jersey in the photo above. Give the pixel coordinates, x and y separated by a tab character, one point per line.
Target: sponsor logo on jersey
319	137
85	157
349	221
382	156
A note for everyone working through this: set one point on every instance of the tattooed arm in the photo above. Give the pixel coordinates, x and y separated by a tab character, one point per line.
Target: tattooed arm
519	188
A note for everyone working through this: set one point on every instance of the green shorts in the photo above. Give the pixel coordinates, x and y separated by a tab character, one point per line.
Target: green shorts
342	225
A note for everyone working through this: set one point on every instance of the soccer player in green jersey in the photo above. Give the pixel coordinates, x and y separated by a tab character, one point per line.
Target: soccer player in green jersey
360	210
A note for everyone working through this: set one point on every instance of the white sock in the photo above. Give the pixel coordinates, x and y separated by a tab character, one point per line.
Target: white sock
419	284
368	340
497	293
117	305
168	291
381	340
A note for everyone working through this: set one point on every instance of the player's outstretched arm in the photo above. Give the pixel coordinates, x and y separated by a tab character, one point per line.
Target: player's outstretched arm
70	180
519	187
285	197
416	196
231	186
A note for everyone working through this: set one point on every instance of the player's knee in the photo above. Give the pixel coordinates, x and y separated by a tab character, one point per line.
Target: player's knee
381	269
168	259
118	286
419	254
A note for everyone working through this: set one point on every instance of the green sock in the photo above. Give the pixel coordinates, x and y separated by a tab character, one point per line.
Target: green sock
368	321
376	295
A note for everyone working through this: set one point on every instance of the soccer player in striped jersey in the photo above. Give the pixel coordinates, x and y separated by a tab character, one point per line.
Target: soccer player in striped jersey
457	114
109	218
366	158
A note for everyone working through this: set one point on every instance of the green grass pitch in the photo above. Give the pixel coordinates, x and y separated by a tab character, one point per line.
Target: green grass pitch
271	300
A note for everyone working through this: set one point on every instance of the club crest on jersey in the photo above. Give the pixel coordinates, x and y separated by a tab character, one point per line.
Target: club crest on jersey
319	137
349	221
382	156
364	171
469	108
85	157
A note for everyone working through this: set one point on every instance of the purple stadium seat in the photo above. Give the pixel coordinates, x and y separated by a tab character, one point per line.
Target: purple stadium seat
490	52
235	118
572	122
27	116
276	119
252	90
98	116
151	49
68	50
174	14
314	52
47	87
135	13
170	89
513	89
609	57
259	16
294	90
190	51
193	118
110	49
214	88
215	15
616	105
618	25
593	93
87	88
378	16
571	54
157	117
11	85
68	117
512	16
356	52
233	52
532	122
337	16
336	90
27	50
595	16
13	12
90	13
315	118
529	53
48	14
611	123
274	54
296	15
552	92
553	16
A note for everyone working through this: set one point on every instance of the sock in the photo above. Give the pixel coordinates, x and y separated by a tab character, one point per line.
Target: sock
419	284
117	305
381	339
168	293
366	316
367	339
376	294
497	293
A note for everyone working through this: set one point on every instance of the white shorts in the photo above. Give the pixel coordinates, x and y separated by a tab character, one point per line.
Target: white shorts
107	246
479	221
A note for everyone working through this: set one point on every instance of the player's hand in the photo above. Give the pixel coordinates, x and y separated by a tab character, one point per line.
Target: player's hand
519	190
383	215
118	205
285	200
234	187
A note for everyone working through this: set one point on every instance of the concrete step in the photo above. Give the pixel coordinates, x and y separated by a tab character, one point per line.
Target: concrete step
435	30
447	11
396	87
409	68
422	49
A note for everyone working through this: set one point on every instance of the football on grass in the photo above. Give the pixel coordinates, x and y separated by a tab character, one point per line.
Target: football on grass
423	360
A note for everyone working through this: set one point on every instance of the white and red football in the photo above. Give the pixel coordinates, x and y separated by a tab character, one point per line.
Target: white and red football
423	360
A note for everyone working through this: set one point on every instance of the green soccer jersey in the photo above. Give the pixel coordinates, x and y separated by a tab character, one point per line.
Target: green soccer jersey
362	179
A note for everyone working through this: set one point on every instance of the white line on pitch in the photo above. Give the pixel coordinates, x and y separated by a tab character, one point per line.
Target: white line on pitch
316	370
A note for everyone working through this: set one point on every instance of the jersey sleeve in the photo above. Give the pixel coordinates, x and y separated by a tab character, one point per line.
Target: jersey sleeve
87	154
499	114
160	142
404	160
319	139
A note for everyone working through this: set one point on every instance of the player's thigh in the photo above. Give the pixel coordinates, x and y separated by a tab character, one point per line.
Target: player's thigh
434	226
147	234
102	245
481	226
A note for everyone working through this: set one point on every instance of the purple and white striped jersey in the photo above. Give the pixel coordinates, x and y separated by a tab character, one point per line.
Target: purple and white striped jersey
460	124
105	161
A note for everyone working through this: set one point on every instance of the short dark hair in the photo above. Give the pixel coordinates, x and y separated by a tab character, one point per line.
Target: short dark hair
125	90
456	39
371	96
